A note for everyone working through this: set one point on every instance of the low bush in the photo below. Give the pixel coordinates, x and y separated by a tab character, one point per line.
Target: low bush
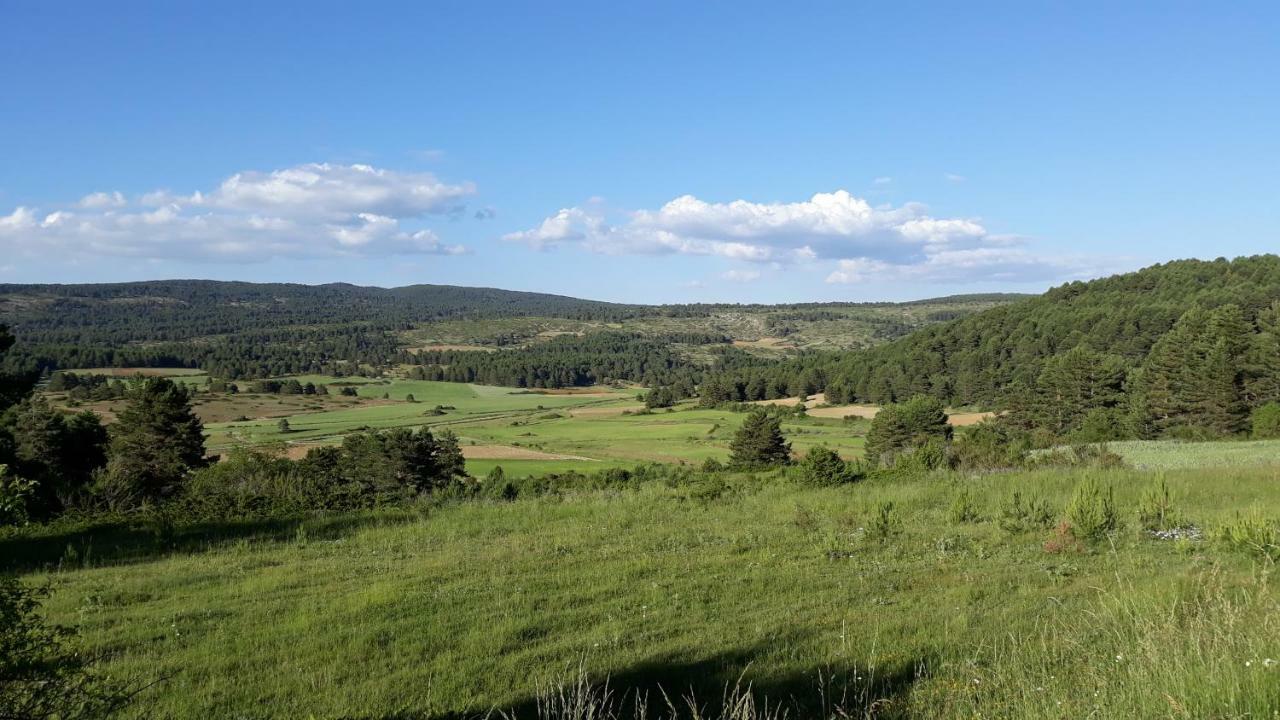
1092	511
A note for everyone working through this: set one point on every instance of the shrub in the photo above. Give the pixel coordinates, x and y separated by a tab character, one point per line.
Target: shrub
1092	512
15	497
1019	514
964	508
823	466
1156	510
884	525
990	445
1266	421
1253	534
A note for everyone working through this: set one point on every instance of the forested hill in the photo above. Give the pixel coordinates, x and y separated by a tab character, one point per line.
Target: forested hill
239	329
1159	329
177	309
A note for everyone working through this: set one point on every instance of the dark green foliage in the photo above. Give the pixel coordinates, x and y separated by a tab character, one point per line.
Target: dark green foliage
283	425
1266	422
990	445
898	428
260	330
570	361
16	497
824	466
1187	344
369	469
58	452
42	674
14	385
156	440
759	442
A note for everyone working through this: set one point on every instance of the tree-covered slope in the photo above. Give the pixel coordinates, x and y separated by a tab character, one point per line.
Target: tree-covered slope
976	359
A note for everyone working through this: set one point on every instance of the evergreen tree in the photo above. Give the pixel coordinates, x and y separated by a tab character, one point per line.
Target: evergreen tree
824	466
912	424
759	442
155	441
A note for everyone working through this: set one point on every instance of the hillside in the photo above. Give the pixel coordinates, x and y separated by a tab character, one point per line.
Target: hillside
238	329
974	359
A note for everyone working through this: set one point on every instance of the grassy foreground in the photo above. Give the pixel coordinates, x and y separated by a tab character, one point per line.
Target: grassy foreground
806	596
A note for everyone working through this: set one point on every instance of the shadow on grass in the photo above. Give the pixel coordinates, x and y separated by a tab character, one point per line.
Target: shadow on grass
712	688
99	543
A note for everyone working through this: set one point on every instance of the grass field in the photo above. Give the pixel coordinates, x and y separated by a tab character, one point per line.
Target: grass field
475	606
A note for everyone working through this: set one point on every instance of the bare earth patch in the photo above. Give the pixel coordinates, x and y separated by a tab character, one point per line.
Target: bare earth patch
605	411
869	411
790	401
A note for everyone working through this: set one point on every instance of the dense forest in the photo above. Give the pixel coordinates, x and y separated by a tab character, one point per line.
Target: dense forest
238	330
235	329
1188	346
600	357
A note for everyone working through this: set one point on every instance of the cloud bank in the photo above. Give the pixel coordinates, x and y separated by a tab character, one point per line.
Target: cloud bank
862	241
307	211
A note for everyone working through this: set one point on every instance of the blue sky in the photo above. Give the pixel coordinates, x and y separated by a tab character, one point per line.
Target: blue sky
655	152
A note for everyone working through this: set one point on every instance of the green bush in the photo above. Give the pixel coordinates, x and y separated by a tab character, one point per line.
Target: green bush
15	496
823	466
898	428
1156	510
1019	514
1254	534
1092	512
964	508
1266	422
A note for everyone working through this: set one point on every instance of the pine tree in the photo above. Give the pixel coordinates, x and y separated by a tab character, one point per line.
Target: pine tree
911	424
759	442
155	441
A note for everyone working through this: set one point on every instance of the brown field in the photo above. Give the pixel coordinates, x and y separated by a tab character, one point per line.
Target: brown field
130	372
444	347
588	392
226	408
790	401
840	411
509	452
765	343
605	411
869	411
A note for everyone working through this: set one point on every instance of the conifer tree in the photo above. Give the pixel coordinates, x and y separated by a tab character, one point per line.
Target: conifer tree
155	441
759	442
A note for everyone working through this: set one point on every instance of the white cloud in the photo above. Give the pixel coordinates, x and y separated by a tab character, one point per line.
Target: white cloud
102	200
313	210
955	178
988	264
742	276
882	181
863	240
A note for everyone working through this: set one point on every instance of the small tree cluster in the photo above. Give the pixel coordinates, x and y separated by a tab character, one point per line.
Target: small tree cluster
899	430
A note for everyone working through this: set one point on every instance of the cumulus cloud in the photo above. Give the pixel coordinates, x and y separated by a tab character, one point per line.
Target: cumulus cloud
312	210
860	239
742	276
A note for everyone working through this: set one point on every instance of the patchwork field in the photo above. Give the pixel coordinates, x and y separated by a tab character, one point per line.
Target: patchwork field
524	431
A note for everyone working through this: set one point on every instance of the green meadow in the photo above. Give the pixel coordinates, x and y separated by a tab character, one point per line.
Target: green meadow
876	599
585	432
